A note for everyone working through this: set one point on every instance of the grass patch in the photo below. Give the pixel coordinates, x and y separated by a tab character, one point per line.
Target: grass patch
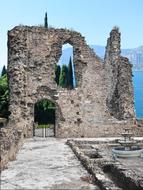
45	126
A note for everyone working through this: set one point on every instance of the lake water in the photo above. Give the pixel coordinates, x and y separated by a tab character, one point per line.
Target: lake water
138	93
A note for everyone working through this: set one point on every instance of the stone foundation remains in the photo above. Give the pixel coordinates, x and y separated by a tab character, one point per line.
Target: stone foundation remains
108	173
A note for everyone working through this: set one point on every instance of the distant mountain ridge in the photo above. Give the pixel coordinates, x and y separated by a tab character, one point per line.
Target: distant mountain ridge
135	55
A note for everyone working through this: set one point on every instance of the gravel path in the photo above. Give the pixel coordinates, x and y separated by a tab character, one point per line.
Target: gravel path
46	164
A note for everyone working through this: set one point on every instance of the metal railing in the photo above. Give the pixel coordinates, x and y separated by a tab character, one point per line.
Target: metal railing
43	131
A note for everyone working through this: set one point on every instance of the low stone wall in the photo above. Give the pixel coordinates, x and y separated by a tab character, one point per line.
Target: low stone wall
10	142
140	123
92	166
138	128
107	172
101	129
3	122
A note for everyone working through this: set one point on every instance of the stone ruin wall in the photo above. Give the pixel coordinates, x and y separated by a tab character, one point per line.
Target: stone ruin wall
118	77
11	140
86	111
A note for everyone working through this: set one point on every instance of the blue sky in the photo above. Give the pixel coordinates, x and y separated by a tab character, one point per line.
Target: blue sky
93	18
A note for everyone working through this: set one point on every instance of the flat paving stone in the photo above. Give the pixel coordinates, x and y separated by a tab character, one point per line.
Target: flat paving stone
46	163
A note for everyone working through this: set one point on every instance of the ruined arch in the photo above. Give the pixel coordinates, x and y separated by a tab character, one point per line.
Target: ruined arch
67	61
76	41
31	68
44	93
32	55
44	118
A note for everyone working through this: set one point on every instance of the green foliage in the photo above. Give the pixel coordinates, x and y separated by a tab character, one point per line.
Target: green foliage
4	96
46	21
64	76
4	71
70	74
45	105
45	126
3	84
63	81
44	112
57	73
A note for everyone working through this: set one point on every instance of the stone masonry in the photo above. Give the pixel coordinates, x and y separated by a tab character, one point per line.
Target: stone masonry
118	77
100	105
11	140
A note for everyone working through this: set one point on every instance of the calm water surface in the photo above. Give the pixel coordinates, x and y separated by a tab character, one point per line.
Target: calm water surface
138	93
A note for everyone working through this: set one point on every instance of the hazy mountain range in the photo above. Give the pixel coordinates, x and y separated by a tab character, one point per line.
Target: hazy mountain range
135	55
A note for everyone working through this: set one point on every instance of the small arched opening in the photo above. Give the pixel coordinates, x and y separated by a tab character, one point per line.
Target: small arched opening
64	69
44	118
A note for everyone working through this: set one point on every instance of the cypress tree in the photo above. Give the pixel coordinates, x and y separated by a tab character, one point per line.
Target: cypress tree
70	74
57	73
46	21
4	71
63	81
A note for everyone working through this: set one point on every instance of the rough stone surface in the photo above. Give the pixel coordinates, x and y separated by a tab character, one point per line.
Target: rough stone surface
46	164
10	142
118	78
139	123
3	122
104	93
108	172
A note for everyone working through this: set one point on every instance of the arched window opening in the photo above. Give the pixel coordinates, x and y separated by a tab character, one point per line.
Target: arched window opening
64	70
44	117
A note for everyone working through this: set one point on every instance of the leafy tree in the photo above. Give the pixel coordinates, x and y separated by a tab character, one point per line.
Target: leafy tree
44	112
4	71
45	104
63	81
4	97
46	21
70	74
57	73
